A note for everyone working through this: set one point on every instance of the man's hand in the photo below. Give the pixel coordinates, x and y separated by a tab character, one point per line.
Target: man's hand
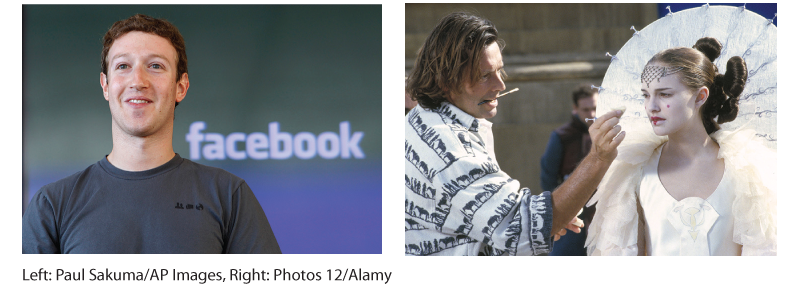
571	195
574	225
603	132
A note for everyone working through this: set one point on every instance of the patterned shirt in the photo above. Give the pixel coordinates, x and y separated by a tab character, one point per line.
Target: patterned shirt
458	201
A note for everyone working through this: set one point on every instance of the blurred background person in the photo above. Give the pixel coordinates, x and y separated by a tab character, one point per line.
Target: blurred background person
567	146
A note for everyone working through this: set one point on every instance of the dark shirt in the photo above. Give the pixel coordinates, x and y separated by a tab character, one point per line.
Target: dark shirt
178	207
568	145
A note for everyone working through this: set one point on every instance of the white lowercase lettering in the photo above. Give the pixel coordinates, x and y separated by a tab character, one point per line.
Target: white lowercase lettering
274	145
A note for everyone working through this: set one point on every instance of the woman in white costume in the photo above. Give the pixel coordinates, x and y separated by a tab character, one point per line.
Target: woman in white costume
690	189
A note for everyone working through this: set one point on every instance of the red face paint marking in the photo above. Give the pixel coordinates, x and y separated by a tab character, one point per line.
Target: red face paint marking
668	106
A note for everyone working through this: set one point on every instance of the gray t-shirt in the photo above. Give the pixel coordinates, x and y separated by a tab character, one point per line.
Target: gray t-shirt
179	207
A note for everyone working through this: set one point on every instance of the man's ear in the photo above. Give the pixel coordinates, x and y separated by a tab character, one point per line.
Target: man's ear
104	84
182	87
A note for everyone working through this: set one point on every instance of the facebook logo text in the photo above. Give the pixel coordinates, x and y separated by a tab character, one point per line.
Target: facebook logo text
275	144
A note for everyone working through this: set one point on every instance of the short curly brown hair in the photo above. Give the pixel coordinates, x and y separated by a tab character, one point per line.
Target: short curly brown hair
450	58
147	24
583	91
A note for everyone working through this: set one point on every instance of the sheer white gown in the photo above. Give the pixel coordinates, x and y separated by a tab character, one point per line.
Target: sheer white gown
691	226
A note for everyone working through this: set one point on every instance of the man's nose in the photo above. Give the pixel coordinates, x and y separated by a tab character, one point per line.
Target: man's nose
140	79
499	84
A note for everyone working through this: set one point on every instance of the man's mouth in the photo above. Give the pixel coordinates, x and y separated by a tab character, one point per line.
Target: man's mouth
487	101
138	101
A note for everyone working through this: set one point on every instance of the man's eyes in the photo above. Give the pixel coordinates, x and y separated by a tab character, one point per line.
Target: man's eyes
126	66
485	77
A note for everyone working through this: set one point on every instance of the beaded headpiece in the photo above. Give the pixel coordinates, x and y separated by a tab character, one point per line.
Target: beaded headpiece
651	73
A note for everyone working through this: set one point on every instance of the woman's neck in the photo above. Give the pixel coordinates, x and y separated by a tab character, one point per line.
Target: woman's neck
691	142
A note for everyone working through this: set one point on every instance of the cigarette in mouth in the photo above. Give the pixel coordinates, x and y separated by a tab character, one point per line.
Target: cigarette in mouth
500	95
506	93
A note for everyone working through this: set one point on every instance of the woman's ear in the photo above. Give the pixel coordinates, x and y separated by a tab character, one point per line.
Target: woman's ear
702	97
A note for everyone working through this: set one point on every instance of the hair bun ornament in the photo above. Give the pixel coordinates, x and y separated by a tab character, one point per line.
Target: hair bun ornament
716	96
709	46
729	110
735	76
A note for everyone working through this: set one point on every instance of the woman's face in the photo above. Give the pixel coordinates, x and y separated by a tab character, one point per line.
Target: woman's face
671	106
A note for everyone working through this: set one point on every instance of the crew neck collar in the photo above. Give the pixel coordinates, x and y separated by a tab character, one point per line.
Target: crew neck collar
145	174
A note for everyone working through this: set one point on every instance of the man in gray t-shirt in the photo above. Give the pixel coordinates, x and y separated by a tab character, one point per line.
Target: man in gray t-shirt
143	197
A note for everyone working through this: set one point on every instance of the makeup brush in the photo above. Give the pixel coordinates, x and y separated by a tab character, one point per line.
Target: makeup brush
622	108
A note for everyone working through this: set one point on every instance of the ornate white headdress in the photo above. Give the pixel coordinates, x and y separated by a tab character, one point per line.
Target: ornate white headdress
741	32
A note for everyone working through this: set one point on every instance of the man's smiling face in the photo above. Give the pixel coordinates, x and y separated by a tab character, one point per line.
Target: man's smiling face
485	89
140	86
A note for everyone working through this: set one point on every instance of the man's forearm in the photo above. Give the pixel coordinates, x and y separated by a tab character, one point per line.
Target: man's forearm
570	196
